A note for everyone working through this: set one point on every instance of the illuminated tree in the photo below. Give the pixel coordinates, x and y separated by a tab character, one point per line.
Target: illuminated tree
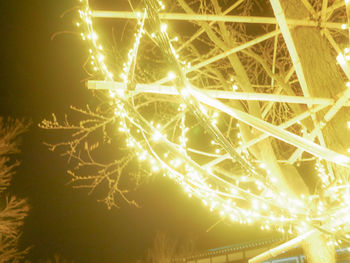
165	248
12	210
230	105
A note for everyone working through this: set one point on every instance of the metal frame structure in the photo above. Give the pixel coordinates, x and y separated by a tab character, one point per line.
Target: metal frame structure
284	24
213	98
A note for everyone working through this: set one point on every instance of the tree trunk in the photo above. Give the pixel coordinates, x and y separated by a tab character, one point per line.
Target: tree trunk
323	80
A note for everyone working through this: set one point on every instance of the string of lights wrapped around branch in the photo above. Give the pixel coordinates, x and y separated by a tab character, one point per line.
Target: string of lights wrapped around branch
248	197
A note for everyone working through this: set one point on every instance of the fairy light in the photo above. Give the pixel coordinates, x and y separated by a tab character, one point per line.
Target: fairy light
163	28
184	129
171	75
262	200
321	173
214	118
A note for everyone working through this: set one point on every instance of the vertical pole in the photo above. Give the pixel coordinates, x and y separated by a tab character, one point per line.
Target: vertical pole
347	5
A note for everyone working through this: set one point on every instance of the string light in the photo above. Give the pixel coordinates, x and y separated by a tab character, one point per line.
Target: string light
259	198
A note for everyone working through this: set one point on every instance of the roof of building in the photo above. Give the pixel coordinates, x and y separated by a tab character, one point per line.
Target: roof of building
229	249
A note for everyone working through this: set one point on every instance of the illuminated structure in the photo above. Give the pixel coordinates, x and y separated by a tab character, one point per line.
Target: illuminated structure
235	125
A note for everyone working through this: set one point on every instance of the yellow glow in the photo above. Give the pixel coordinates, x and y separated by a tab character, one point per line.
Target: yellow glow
163	28
171	75
264	203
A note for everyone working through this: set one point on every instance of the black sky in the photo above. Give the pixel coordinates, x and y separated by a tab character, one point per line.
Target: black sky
39	76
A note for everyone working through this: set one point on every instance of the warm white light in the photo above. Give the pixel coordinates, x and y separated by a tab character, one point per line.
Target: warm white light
171	75
157	136
341	59
101	57
193	181
163	28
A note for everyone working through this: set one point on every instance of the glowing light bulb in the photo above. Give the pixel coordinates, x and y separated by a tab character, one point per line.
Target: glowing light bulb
163	28
101	57
157	136
171	75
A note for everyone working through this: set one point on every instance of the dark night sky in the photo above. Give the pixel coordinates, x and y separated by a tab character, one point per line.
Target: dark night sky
39	76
